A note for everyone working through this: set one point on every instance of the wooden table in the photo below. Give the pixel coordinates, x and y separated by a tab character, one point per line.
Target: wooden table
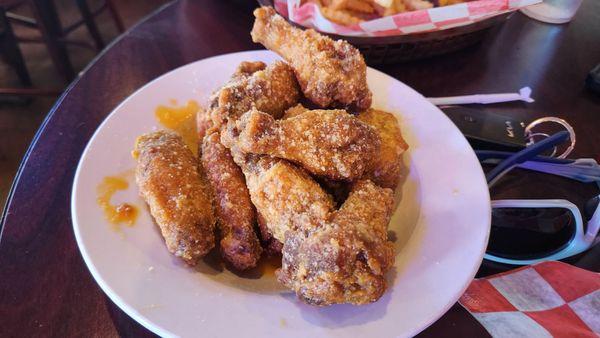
46	289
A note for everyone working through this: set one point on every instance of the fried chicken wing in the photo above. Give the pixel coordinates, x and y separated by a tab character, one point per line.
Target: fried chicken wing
387	168
330	73
177	194
234	210
329	143
271	90
285	196
344	260
203	119
329	256
245	69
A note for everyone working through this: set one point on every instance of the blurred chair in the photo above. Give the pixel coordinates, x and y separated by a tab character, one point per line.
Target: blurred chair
52	34
9	48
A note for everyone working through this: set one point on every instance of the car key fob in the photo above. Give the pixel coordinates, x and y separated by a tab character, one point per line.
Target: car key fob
592	81
488	131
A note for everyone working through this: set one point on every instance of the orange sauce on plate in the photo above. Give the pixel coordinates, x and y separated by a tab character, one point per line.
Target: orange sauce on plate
268	265
182	120
115	214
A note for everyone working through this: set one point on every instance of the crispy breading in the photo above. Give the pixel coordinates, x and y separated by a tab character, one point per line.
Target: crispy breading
178	195
285	196
244	70
203	123
345	259
387	168
330	73
234	210
294	111
271	90
329	143
329	256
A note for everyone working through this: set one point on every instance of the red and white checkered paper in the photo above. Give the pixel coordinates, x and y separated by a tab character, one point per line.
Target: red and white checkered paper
549	299
426	20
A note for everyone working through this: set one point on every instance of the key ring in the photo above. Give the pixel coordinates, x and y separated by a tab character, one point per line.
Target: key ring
530	135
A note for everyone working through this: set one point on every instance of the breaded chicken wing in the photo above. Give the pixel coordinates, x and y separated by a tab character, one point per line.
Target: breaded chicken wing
329	256
234	210
387	168
178	195
329	143
271	90
331	73
285	196
345	259
244	70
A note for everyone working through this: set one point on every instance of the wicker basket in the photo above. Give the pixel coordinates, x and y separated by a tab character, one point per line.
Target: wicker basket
394	49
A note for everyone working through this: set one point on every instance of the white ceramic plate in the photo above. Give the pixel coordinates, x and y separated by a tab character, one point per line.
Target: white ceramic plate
441	228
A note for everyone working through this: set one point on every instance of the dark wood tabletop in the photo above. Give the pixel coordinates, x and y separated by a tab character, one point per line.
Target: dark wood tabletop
45	287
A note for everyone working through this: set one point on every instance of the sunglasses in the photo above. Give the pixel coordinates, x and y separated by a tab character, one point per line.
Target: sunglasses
526	232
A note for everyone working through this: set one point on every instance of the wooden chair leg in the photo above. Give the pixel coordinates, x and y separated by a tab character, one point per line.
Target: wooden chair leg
45	14
11	50
115	14
90	23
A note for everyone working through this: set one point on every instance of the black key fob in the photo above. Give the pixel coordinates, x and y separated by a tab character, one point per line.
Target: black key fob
592	81
488	131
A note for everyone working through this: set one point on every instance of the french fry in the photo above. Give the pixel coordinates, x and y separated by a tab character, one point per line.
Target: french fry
415	5
449	2
384	3
340	16
398	6
360	6
389	7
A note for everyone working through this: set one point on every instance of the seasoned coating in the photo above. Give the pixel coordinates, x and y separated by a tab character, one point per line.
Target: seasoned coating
329	143
344	260
233	208
294	111
177	194
245	69
271	90
329	256
330	73
285	196
387	168
204	121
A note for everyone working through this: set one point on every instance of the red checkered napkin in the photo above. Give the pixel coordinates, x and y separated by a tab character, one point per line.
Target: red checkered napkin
549	299
426	20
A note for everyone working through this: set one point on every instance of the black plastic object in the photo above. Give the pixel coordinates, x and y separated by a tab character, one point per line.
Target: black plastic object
590	207
593	80
488	131
530	233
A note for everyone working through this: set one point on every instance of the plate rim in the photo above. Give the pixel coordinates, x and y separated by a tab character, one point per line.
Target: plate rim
159	330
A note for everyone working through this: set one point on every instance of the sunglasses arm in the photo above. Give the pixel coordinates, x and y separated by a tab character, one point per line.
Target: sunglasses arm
593	227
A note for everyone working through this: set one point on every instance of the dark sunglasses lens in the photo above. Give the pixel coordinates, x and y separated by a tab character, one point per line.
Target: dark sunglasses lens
529	233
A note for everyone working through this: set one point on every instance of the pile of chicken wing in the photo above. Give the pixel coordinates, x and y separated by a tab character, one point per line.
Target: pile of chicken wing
293	161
